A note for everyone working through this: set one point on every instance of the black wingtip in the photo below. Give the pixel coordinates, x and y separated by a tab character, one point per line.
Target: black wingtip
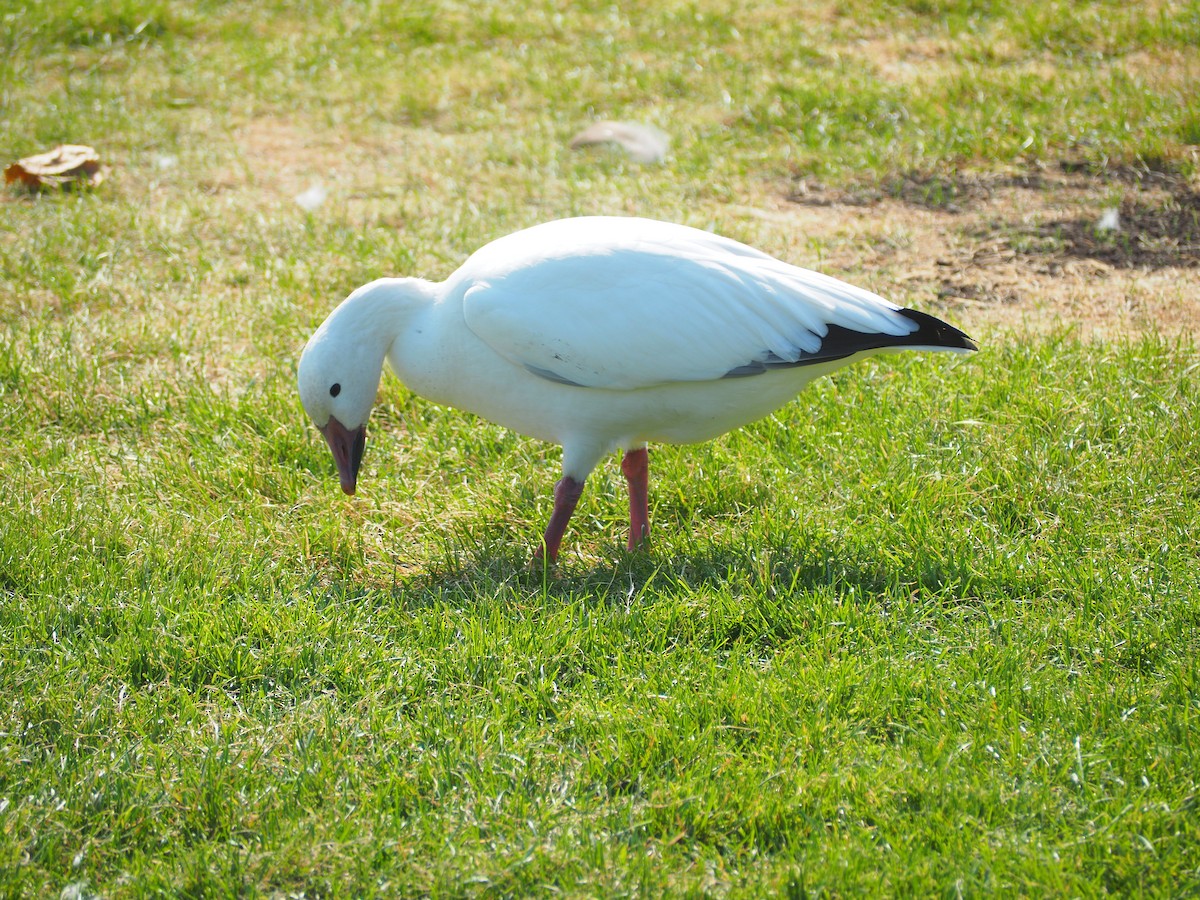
840	342
933	332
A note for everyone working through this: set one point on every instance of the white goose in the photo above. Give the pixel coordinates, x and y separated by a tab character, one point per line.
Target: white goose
600	334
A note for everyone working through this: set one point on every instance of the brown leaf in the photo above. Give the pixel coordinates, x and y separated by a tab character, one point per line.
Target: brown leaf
64	166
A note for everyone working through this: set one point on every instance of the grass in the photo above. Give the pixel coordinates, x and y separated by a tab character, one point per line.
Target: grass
931	629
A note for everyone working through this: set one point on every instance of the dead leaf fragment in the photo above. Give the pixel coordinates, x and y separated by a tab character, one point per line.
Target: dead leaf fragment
64	166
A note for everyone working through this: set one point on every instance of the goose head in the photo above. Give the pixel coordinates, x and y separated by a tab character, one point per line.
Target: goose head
340	370
342	364
338	392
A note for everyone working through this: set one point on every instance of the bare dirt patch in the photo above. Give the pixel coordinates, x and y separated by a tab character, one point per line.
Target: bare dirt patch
1041	249
286	158
1045	249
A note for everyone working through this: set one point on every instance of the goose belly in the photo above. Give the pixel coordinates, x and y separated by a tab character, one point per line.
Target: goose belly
674	413
678	413
690	413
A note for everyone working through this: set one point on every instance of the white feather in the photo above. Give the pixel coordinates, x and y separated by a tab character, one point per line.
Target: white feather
604	333
628	303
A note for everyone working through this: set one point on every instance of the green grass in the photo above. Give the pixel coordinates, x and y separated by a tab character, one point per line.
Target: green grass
929	630
954	646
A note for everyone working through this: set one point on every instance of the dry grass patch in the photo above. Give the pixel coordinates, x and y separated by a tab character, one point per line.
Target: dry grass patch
1028	251
1014	251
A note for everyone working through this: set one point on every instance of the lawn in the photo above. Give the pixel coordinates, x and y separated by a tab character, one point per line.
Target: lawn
930	629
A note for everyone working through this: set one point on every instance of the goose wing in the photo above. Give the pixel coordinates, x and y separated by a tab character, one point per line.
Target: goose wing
623	304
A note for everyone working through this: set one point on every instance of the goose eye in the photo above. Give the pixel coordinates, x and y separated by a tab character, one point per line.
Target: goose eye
335	390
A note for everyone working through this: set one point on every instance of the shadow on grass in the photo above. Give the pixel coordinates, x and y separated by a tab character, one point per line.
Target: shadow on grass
486	573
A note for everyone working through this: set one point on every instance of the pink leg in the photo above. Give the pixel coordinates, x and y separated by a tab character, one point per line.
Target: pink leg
566	496
636	466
